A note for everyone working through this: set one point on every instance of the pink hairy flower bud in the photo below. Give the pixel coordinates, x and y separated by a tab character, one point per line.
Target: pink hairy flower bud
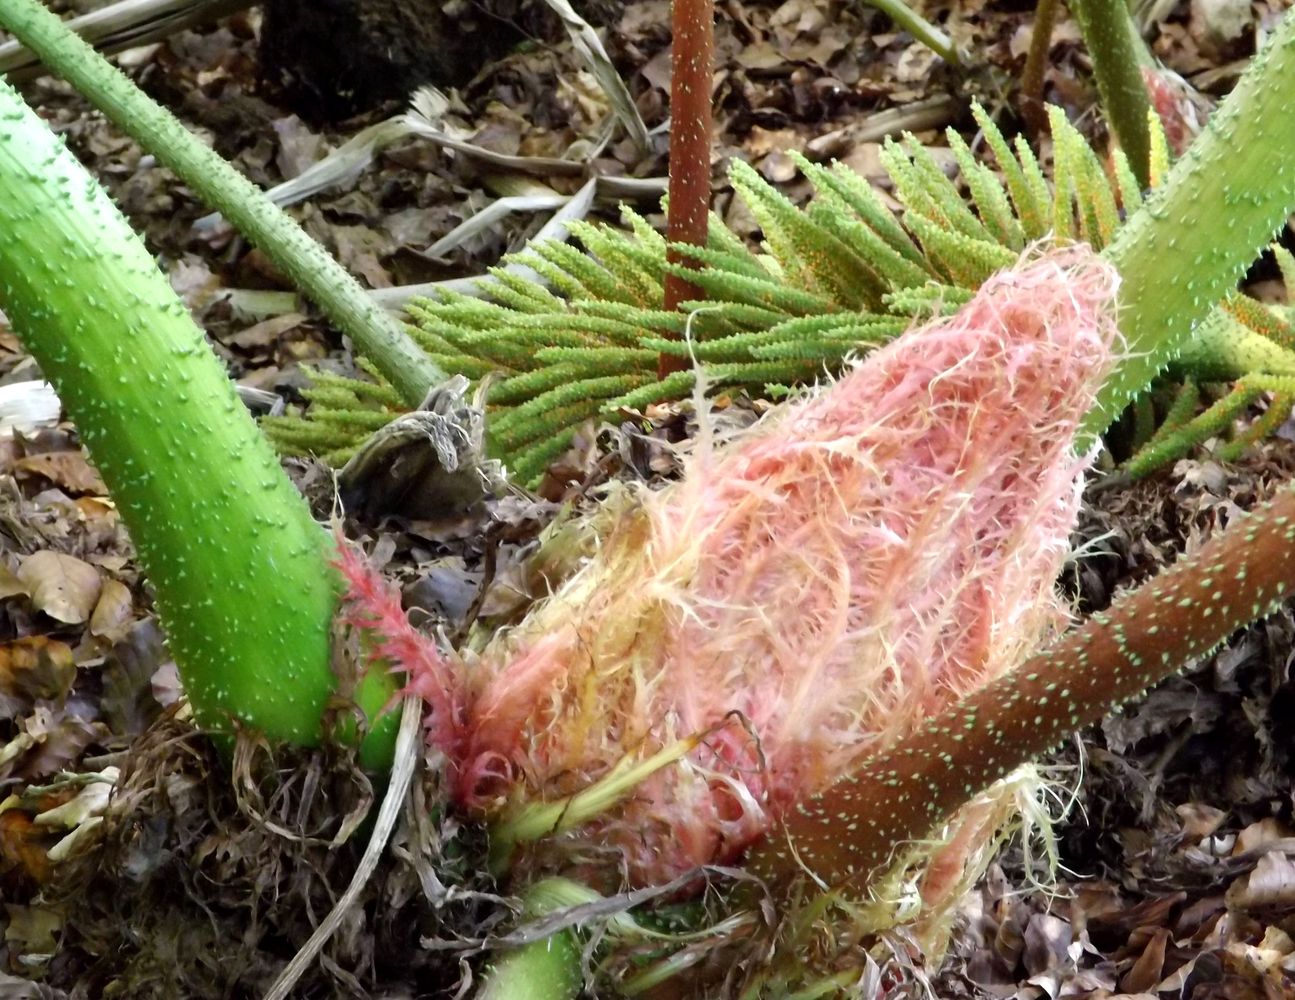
809	592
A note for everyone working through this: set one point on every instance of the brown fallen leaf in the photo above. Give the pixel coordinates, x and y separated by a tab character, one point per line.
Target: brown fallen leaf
1047	942
23	846
113	612
1199	820
1149	968
10	585
37	667
1258	835
59	739
68	469
1271	886
33	935
1125	920
266	332
64	587
96	508
1271	954
1216	23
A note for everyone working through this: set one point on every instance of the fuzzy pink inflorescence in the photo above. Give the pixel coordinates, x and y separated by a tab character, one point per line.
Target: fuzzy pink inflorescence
811	591
373	606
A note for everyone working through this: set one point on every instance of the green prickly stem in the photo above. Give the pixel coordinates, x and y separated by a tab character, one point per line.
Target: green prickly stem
378	333
1279	410
1222	350
1173	441
1185	249
1115	49
238	566
920	28
548	968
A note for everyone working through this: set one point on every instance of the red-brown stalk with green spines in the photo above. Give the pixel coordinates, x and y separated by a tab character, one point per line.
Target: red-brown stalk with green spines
853	829
1036	62
693	26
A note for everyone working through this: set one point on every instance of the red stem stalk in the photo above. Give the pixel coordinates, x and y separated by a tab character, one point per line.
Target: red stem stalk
692	54
850	831
1036	64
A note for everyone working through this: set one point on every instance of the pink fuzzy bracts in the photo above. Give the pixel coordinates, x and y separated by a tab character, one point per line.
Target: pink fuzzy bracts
811	591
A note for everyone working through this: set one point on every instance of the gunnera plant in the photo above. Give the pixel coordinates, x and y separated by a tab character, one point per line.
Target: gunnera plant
808	594
759	629
746	640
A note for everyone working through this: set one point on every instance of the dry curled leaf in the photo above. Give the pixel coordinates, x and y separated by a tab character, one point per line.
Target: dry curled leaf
10	585
1271	886
112	612
68	469
1258	835
64	587
1149	968
23	846
36	668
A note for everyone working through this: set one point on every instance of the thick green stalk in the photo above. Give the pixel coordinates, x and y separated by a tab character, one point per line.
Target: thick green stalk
542	970
546	969
1115	49
376	332
1193	239
238	566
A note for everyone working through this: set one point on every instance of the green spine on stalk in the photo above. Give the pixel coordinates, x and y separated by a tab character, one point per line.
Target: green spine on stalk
378	333
1192	240
238	566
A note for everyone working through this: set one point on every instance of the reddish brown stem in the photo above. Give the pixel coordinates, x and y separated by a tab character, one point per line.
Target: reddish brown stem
1236	578
693	26
1036	64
